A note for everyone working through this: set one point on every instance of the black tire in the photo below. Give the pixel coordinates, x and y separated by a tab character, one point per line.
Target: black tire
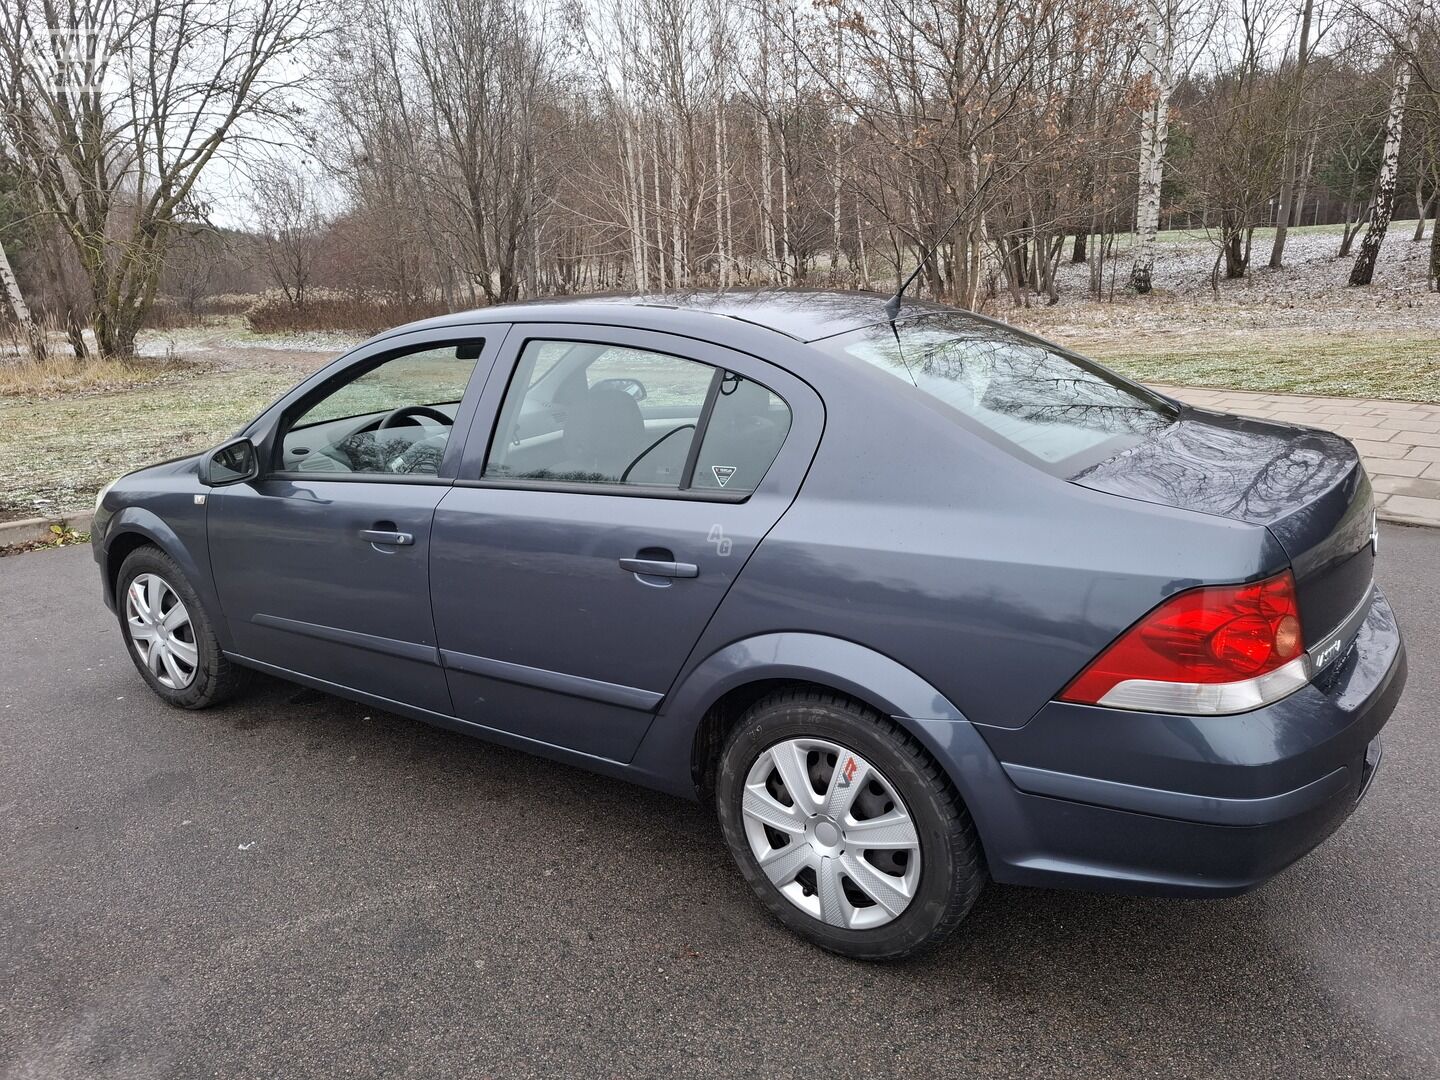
952	869
215	677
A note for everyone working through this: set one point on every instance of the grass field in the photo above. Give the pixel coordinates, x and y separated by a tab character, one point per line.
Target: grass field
1368	364
56	454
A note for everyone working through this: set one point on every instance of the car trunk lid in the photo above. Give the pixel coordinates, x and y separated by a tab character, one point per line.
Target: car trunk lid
1306	486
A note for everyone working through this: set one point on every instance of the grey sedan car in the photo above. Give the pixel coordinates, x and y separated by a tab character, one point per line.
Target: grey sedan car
914	601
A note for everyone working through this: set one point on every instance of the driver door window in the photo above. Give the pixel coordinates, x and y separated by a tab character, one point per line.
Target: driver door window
393	418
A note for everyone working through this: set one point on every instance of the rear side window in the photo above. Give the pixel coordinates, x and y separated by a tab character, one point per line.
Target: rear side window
747	425
1017	393
580	413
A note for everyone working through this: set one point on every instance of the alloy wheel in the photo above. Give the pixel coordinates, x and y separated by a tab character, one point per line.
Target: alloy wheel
160	627
831	833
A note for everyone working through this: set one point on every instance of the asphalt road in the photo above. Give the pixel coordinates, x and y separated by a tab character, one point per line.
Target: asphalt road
295	886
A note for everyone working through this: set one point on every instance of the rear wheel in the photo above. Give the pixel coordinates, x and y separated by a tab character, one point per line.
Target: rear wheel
845	827
168	633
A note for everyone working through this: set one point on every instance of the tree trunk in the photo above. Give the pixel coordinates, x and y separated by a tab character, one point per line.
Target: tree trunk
1298	217
1158	54
115	333
1234	249
722	268
1424	208
1435	257
788	274
767	195
1078	253
33	334
659	218
860	245
75	333
1363	271
1352	227
1292	152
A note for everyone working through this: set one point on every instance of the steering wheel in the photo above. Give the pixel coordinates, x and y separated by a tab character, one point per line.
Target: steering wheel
408	413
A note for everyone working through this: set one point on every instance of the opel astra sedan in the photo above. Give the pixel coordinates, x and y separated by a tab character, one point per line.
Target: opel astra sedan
913	603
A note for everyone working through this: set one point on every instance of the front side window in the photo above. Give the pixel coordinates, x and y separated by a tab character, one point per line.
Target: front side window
394	417
1021	395
623	417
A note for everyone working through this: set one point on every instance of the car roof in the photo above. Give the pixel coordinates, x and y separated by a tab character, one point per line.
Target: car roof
802	314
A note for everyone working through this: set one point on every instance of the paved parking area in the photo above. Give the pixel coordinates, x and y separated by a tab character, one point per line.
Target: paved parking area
295	886
1399	440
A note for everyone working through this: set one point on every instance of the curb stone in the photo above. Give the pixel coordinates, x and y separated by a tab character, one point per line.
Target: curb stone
22	532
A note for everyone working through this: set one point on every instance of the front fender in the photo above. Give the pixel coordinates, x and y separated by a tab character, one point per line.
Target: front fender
185	545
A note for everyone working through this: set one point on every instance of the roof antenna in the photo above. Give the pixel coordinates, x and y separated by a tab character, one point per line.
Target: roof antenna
892	306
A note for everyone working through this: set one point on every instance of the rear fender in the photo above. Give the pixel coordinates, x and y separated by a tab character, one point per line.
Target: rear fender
885	685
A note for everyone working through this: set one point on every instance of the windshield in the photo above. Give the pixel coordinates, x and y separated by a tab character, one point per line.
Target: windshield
1019	394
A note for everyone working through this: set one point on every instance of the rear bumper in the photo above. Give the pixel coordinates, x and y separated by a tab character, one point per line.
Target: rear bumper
1156	804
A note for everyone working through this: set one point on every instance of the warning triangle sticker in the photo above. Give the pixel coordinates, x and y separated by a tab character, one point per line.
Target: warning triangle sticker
723	473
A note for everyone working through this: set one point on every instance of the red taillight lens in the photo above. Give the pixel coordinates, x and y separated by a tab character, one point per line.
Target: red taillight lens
1215	634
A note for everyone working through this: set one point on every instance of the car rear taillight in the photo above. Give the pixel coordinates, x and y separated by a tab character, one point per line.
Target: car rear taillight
1216	649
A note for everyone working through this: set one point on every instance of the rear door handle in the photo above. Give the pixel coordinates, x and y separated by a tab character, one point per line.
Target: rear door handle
381	536
659	568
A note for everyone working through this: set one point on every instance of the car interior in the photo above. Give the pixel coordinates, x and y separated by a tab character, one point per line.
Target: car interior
394	417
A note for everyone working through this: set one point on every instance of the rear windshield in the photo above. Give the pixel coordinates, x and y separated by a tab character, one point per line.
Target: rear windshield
1021	395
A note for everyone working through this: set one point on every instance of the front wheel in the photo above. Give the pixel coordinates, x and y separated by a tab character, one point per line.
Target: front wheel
845	827
168	633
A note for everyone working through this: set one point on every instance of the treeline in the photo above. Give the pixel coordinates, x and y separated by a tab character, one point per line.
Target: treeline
461	152
489	150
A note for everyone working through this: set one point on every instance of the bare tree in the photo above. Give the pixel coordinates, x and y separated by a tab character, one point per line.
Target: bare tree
291	225
667	143
1292	147
1383	204
117	107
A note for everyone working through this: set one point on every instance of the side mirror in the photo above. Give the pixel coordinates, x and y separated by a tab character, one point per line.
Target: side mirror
233	463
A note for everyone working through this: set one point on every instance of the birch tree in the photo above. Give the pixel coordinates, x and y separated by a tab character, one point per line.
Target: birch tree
1172	31
1363	272
1160	29
33	334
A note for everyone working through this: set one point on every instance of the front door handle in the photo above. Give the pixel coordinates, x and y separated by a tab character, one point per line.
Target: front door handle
660	568
382	536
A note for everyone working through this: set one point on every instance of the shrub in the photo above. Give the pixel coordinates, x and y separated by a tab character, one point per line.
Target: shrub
369	315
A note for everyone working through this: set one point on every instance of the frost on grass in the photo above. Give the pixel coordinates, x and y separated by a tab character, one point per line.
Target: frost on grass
58	450
1299	330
